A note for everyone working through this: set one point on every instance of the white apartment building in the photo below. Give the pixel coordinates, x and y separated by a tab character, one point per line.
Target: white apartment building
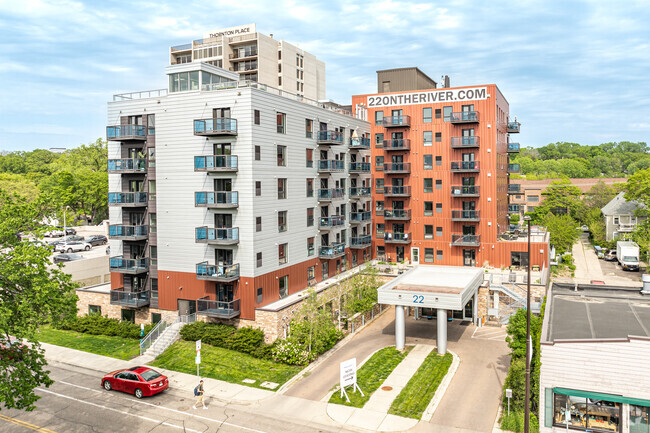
227	195
256	57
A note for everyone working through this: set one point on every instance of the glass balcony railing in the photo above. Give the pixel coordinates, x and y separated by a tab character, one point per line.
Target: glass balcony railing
466	240
359	167
464	166
126	132
216	163
397	167
397	144
513	147
218	309
132	165
360	241
513	208
330	137
360	217
215	126
397	237
216	199
465	215
127	198
222	236
396	121
464	117
513	127
331	251
333	221
513	168
397	190
514	188
130	299
128	232
465	191
205	271
464	142
360	143
128	266
397	214
330	165
331	193
359	192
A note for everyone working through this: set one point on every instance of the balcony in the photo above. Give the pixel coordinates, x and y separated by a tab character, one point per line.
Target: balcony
215	127
330	166
331	251
465	166
397	121
465	142
465	215
216	163
514	188
359	143
513	168
360	217
397	214
325	194
329	137
397	238
126	133
397	191
131	165
625	227
360	167
127	199
465	191
128	266
460	117
397	144
218	309
513	127
513	147
330	222
244	67
513	208
130	299
397	168
246	54
216	199
128	233
466	240
360	192
214	236
360	242
221	273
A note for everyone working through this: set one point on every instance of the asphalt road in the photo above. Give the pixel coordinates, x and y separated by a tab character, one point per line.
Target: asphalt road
76	403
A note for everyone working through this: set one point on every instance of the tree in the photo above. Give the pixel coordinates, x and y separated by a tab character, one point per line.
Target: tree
599	195
32	293
563	231
314	328
638	187
560	198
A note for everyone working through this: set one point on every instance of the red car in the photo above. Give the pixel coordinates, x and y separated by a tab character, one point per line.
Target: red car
140	381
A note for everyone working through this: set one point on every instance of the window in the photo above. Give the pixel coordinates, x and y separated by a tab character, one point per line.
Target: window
310	158
427	138
519	258
309	128
153	255
438	207
426	115
438	113
428	184
283	286
428	255
379	206
259	260
258	188
128	315
282	221
282	156
428	232
152	190
155	318
533	198
438	231
438	183
153	223
279	84
438	137
639	418
256	117
379	163
380	230
591	414
260	295
616	220
428	162
282	189
310	187
281	119
310	217
151	124
258	153
379	117
428	208
258	224
184	81
379	140
438	160
379	186
310	246
446	113
438	254
282	253
94	309
311	273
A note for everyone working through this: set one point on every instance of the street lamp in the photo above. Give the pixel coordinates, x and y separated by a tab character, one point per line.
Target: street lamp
529	345
65	230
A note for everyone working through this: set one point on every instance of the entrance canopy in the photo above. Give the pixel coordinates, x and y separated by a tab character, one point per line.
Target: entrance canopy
440	287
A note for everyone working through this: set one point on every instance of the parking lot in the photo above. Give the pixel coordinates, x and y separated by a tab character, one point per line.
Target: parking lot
85	231
614	269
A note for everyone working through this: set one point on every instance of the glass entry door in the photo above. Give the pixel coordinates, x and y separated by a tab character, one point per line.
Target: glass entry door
415	255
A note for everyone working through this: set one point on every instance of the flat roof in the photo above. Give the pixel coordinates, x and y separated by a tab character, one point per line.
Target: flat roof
596	312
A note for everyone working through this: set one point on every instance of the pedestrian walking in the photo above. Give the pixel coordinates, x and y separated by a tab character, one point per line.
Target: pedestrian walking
198	393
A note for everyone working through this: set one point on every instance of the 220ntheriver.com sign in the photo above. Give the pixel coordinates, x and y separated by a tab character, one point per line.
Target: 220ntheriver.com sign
442	95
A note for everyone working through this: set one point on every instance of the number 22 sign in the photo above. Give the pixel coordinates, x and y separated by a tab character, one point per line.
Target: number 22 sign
418	299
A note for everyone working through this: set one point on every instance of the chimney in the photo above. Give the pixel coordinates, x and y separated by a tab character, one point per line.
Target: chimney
447	84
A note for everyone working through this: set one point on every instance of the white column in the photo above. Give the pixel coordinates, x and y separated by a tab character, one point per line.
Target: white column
416	313
475	309
442	331
400	335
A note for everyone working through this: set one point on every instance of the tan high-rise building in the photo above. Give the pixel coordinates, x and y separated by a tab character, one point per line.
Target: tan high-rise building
257	57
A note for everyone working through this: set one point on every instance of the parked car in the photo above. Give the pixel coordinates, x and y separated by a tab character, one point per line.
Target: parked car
74	238
54	232
97	240
584	228
72	246
610	255
600	253
11	349
139	381
61	258
70	231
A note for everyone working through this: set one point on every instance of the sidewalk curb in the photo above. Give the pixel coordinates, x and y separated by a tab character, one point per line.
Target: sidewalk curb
442	388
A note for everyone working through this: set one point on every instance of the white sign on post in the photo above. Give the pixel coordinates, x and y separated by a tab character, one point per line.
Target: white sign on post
197	359
348	376
198	345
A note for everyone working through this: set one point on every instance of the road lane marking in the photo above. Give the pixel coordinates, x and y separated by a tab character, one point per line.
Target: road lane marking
26	424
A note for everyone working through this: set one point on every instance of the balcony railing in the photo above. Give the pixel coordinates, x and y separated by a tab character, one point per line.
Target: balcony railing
330	165
513	208
359	143
128	232
130	299
466	240
243	55
397	167
396	121
215	126
361	242
514	188
126	132
325	194
464	142
513	168
397	144
244	67
333	221
359	192
218	309
216	199
330	137
216	163
513	127
397	238
331	251
464	117
131	165
465	215
397	191
397	214
359	167
465	191
626	227
513	147
464	166
214	236
360	217
223	273
130	199
128	266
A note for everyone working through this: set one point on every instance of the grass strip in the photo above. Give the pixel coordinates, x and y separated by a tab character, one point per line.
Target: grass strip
419	391
371	375
115	347
223	364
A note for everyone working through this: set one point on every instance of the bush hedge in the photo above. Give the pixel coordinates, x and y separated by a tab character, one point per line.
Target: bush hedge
244	340
95	324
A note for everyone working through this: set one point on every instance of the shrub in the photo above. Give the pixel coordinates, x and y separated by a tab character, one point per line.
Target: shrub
289	352
101	325
245	340
515	422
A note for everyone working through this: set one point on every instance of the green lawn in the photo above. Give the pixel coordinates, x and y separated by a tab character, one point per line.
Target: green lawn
419	391
224	364
115	347
371	375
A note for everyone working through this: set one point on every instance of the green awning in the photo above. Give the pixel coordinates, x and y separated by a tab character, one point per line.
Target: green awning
602	396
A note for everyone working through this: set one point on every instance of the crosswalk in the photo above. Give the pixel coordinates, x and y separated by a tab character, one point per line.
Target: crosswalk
490	333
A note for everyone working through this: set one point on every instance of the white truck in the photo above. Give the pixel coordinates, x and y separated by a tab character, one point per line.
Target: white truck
627	254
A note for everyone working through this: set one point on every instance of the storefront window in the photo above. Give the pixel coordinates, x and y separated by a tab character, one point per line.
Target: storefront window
639	422
586	413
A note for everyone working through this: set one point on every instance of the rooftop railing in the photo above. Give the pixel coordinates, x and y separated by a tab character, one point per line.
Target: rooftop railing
157	93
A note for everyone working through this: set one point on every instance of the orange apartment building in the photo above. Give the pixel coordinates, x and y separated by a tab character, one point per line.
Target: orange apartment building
440	173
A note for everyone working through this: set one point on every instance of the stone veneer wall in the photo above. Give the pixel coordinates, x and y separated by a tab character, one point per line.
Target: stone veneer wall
86	298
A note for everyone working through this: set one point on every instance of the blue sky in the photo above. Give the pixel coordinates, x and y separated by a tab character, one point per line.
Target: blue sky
571	70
